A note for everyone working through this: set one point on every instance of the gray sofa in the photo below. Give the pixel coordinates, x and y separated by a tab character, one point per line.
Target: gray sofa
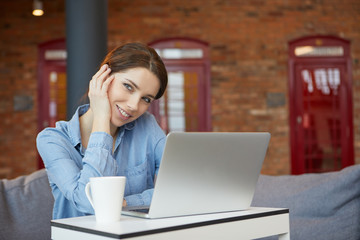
322	206
26	207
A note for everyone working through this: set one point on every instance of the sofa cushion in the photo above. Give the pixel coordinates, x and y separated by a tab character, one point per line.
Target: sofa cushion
322	206
26	206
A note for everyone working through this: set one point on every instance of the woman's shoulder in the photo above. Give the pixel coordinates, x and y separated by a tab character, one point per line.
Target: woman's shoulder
60	131
64	130
147	117
148	120
147	124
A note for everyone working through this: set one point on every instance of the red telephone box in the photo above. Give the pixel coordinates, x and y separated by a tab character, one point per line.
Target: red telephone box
320	94
51	85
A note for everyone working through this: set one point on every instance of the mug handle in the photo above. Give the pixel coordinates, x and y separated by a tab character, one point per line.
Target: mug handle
88	194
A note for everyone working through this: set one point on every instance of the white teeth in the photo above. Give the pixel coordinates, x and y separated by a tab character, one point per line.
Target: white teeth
123	112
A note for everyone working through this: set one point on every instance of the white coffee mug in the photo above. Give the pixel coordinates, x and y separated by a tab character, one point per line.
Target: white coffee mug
106	197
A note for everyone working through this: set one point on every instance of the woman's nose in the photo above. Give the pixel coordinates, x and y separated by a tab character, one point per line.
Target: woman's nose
133	103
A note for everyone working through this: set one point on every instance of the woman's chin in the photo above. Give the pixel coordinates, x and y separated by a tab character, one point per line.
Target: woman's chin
121	122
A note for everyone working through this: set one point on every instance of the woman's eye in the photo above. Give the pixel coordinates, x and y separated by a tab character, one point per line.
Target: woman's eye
147	100
128	87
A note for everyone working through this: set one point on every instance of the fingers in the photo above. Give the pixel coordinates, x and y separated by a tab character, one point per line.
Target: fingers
101	70
106	84
100	77
103	76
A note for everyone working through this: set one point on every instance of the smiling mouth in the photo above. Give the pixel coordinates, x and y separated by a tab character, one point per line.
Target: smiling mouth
123	113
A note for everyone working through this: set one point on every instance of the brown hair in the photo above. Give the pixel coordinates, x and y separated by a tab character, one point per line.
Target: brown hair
133	55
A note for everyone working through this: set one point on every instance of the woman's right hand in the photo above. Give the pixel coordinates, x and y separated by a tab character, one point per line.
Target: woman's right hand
99	100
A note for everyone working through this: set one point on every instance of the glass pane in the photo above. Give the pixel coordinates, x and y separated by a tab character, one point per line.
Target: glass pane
59	54
321	119
57	97
327	51
177	53
179	106
61	96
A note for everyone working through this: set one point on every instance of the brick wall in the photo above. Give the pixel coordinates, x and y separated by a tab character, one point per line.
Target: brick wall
20	34
248	50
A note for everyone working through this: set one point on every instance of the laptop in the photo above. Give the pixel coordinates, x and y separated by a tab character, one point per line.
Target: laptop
205	172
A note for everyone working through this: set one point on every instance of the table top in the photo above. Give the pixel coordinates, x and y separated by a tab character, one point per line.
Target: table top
133	226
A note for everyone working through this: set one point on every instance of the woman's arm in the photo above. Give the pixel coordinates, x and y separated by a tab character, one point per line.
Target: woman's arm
70	171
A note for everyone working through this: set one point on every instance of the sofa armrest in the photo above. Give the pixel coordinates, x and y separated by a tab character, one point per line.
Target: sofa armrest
26	206
322	206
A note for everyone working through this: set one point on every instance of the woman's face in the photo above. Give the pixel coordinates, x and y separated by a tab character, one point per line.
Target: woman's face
131	93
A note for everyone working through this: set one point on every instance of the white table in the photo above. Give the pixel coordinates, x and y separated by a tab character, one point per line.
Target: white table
249	224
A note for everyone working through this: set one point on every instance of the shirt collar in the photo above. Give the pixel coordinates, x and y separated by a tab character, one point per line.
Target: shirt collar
130	125
74	124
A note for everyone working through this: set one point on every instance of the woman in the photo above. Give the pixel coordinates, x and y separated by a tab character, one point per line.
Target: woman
113	135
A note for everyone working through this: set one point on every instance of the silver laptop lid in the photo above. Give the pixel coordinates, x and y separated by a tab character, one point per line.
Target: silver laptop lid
208	172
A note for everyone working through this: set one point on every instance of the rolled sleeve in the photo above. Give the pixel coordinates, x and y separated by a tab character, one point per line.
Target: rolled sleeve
98	155
141	199
68	172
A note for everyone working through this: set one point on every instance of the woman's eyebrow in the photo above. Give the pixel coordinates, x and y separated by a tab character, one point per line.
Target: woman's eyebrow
137	87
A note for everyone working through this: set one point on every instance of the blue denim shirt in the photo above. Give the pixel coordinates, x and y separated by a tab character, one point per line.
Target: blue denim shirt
138	150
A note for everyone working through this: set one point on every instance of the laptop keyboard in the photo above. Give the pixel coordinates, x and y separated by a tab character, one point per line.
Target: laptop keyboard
142	209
